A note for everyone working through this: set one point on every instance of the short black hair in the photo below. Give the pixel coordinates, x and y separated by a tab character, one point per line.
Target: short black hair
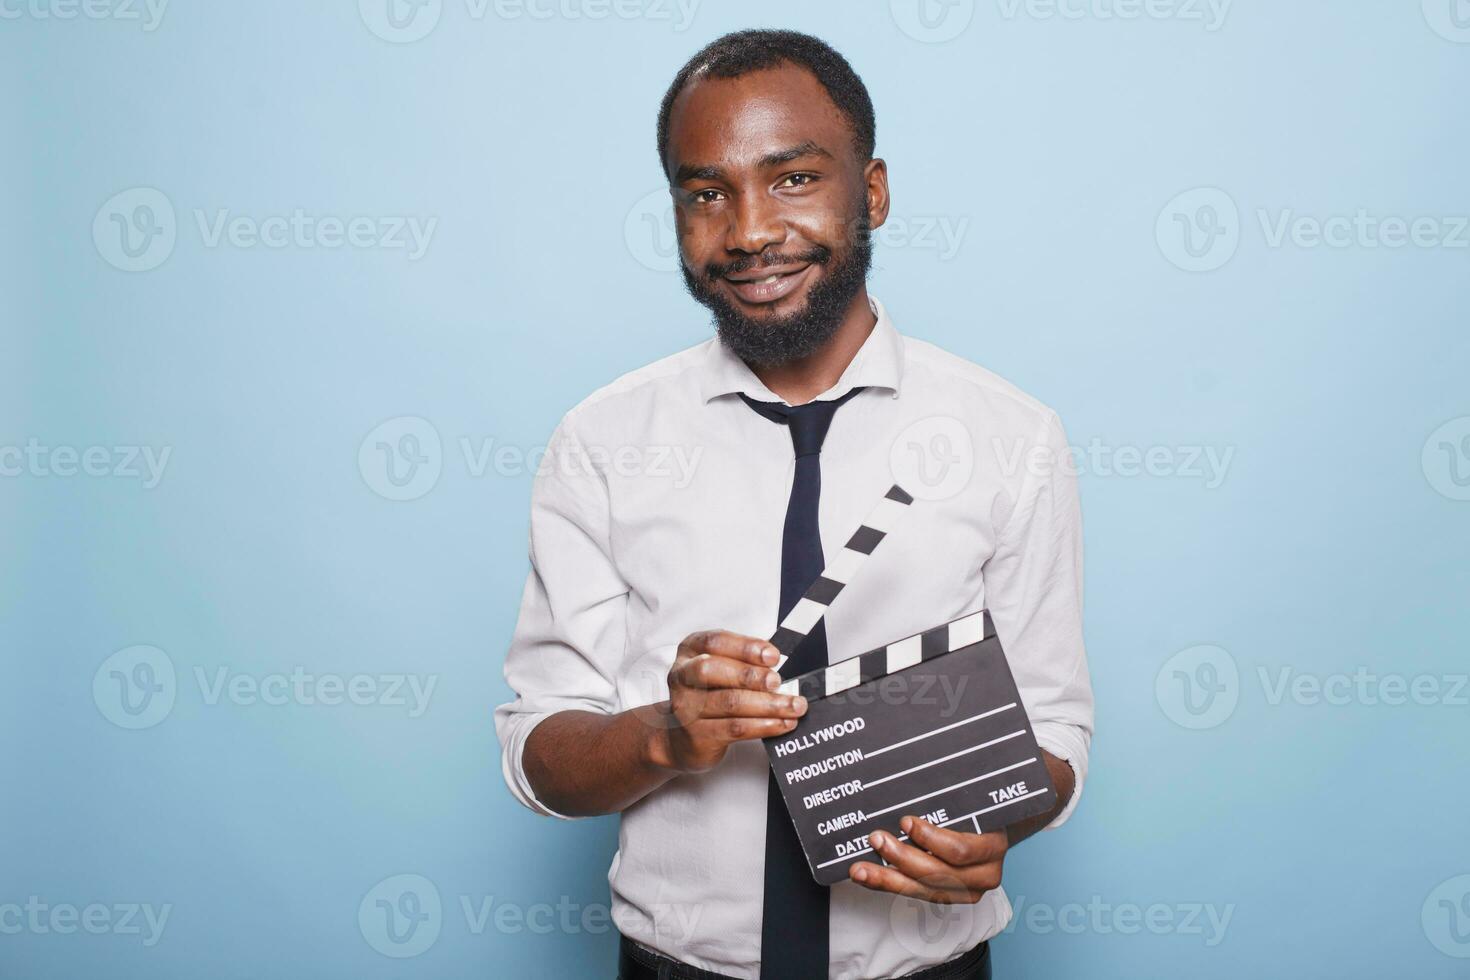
742	52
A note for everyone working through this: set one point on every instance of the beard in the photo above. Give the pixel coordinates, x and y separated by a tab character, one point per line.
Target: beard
773	341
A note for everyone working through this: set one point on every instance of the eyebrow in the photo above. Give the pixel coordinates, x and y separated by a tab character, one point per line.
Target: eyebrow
691	171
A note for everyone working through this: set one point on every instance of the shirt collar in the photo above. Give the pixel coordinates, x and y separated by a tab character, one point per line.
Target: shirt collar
878	363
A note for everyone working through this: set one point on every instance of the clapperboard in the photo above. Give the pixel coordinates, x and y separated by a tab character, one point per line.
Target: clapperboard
931	725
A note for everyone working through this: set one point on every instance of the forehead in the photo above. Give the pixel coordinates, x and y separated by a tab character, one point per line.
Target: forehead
736	120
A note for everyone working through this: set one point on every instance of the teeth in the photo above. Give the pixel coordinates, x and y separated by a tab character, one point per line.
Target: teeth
749	282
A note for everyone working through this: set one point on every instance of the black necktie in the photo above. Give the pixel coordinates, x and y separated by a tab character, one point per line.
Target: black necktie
794	937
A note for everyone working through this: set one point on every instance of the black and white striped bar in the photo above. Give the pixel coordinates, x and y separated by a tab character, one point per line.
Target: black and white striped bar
875	664
812	606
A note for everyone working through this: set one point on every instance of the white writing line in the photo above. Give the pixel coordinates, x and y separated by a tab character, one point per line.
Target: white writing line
1034	792
974	779
904	837
954	755
945	728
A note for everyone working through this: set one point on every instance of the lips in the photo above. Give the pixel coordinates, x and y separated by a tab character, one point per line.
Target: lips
768	285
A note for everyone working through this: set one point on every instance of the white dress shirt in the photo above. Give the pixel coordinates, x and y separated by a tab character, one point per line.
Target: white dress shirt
658	511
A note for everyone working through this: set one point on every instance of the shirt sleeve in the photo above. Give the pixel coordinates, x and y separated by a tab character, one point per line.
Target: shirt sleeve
569	635
1033	586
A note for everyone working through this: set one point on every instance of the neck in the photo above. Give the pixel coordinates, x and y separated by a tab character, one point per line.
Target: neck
801	380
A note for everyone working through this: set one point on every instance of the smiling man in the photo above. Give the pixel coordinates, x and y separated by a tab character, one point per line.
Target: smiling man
643	683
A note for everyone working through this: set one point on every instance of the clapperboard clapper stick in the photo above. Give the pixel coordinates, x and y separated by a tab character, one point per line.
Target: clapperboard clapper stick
931	725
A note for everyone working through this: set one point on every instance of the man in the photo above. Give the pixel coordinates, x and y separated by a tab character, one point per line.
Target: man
794	415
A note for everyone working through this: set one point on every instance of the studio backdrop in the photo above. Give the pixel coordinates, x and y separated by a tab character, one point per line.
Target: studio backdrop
294	294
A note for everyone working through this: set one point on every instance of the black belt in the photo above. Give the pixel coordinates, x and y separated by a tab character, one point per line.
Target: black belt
638	962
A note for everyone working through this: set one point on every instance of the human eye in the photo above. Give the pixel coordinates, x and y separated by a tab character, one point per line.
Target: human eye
798	180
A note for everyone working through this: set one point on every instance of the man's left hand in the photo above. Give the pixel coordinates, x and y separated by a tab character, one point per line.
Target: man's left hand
947	867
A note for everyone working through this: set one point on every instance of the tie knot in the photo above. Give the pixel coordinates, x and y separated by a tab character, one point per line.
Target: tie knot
809	422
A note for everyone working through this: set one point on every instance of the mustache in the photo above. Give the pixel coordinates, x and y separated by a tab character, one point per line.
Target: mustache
816	255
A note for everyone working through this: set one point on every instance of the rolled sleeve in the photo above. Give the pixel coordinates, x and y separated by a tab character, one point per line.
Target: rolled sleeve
1033	585
570	634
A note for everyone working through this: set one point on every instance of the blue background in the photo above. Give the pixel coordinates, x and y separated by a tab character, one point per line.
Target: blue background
1334	542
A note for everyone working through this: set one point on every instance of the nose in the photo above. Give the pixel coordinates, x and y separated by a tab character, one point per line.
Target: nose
755	223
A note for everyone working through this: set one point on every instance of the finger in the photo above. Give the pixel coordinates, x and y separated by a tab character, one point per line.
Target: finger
708	671
723	643
955	847
739	729
917	864
880	879
734	703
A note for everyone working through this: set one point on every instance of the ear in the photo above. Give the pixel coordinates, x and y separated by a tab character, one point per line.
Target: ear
875	178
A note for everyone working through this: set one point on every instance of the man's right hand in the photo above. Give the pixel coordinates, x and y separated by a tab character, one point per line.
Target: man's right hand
721	690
